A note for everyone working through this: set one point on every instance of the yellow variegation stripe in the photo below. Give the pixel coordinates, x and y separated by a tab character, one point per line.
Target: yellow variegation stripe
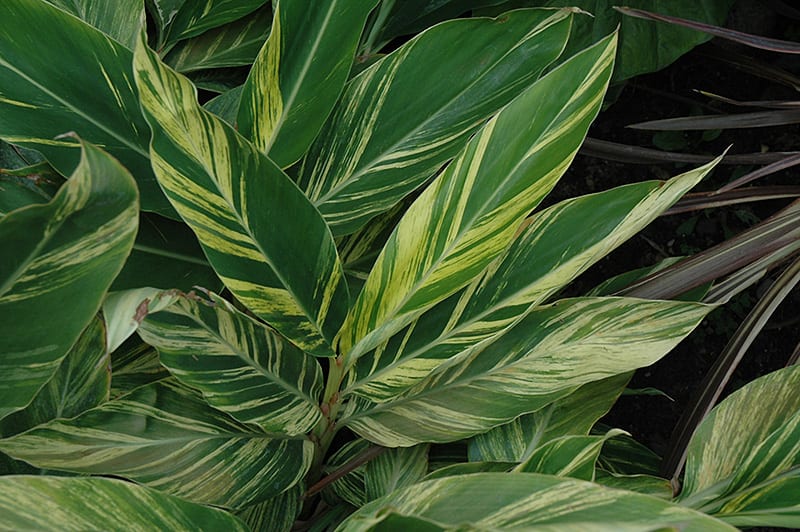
471	212
557	245
239	365
166	437
268	244
395	469
383	141
543	357
59	503
568	456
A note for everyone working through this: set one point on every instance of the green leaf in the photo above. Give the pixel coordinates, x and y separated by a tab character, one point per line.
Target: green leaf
81	382
233	44
239	365
167	437
554	247
383	140
226	105
395	469
134	364
624	455
53	503
299	74
268	244
647	484
121	19
352	487
276	514
97	99
748	475
472	211
499	501
573	415
58	260
546	356
568	456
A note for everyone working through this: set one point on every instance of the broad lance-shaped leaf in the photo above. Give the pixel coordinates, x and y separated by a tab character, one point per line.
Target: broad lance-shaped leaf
89	90
395	469
82	382
555	246
743	461
121	19
55	503
544	357
57	261
525	501
299	74
266	241
383	139
168	438
471	212
568	456
239	365
277	513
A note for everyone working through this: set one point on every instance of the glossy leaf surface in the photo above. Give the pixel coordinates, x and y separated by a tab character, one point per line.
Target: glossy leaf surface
268	244
58	260
567	456
121	19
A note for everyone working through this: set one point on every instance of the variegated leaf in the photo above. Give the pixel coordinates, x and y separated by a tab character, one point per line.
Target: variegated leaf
395	469
526	501
276	514
405	116
268	244
647	484
233	44
352	487
57	262
97	99
573	415
133	365
82	382
568	456
544	357
299	74
168	438
555	246
54	503
471	212
239	365
743	459
121	19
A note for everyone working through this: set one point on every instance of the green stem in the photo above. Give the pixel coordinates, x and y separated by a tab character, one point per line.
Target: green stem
323	433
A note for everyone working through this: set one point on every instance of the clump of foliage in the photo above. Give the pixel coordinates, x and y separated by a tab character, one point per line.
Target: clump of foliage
376	338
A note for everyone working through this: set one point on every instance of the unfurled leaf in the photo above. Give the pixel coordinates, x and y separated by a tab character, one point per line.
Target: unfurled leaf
233	44
268	244
53	503
471	212
89	89
81	382
499	501
544	357
554	247
400	120
647	484
567	456
299	74
134	364
239	365
276	514
743	461
352	487
121	19
57	262
167	437
395	469
573	415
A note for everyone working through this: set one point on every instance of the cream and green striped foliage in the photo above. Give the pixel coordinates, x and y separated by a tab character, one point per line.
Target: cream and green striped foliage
387	270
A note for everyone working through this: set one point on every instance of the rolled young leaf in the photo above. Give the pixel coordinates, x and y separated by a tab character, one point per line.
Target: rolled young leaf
58	260
167	437
263	237
56	503
299	74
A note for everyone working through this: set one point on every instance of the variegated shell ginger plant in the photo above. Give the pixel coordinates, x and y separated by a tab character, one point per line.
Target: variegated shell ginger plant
385	285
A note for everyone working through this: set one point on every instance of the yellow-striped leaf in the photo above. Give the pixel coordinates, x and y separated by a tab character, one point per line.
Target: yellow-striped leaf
266	241
97	100
395	469
471	212
526	501
299	74
82	382
544	357
168	438
276	514
568	456
57	261
133	365
121	19
54	503
743	461
239	365
555	246
405	116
